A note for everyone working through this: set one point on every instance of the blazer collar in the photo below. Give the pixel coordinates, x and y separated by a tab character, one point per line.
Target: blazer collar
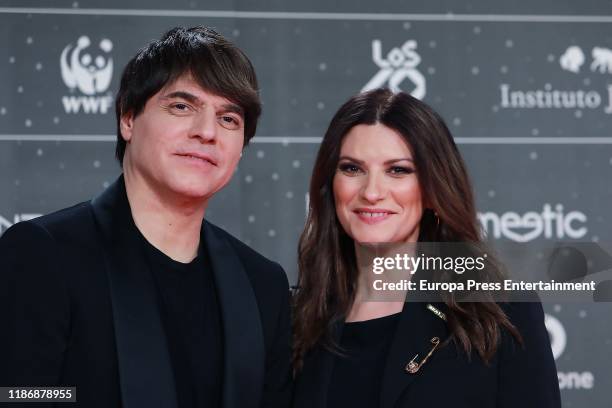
417	326
145	371
422	319
243	334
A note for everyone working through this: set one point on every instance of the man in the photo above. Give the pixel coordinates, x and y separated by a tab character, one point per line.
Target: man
133	297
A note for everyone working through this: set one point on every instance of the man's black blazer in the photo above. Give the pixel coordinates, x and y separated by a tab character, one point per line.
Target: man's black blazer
79	308
517	377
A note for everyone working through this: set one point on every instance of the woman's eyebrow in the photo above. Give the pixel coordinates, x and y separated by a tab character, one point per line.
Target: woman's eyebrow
399	160
391	161
349	158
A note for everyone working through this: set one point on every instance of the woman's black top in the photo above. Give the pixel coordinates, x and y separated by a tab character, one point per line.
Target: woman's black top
356	377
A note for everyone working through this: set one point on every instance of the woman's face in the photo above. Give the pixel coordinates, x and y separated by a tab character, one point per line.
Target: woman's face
376	189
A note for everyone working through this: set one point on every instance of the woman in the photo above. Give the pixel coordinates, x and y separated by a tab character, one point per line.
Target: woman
388	170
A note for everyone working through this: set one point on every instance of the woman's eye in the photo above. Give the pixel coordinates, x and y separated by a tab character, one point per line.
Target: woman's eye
401	170
349	168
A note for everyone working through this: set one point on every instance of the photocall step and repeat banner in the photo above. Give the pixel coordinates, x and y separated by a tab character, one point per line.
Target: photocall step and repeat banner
526	90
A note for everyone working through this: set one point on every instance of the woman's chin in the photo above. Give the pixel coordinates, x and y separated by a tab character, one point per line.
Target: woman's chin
374	239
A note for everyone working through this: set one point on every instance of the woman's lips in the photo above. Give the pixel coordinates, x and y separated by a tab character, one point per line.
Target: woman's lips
372	216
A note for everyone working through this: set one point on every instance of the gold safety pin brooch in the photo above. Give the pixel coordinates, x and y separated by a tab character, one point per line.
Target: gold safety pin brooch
412	367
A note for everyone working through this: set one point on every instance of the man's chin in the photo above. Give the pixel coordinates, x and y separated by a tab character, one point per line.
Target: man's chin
194	191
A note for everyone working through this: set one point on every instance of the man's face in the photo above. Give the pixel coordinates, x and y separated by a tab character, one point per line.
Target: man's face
185	142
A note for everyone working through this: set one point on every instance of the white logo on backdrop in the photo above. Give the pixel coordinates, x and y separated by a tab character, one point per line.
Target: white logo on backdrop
88	69
549	223
602	60
399	65
556	332
572	59
90	74
568	380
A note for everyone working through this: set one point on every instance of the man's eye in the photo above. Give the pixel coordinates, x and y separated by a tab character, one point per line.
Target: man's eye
230	122
180	107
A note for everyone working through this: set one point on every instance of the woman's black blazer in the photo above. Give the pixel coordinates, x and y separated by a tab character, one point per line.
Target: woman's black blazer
518	376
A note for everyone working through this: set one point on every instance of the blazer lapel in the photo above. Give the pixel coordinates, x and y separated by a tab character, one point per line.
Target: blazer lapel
417	325
145	371
243	335
415	329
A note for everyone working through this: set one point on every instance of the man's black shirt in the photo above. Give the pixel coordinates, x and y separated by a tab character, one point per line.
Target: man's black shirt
191	318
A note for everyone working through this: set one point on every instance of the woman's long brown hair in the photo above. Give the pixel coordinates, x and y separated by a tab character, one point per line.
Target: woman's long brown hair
327	279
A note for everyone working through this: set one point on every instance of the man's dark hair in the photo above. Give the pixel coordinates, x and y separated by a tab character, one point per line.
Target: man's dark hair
215	63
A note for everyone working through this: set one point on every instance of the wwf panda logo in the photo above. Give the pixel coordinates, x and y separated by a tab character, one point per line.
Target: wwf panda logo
87	68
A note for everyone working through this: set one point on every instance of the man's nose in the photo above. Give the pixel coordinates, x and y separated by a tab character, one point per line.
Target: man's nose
205	127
